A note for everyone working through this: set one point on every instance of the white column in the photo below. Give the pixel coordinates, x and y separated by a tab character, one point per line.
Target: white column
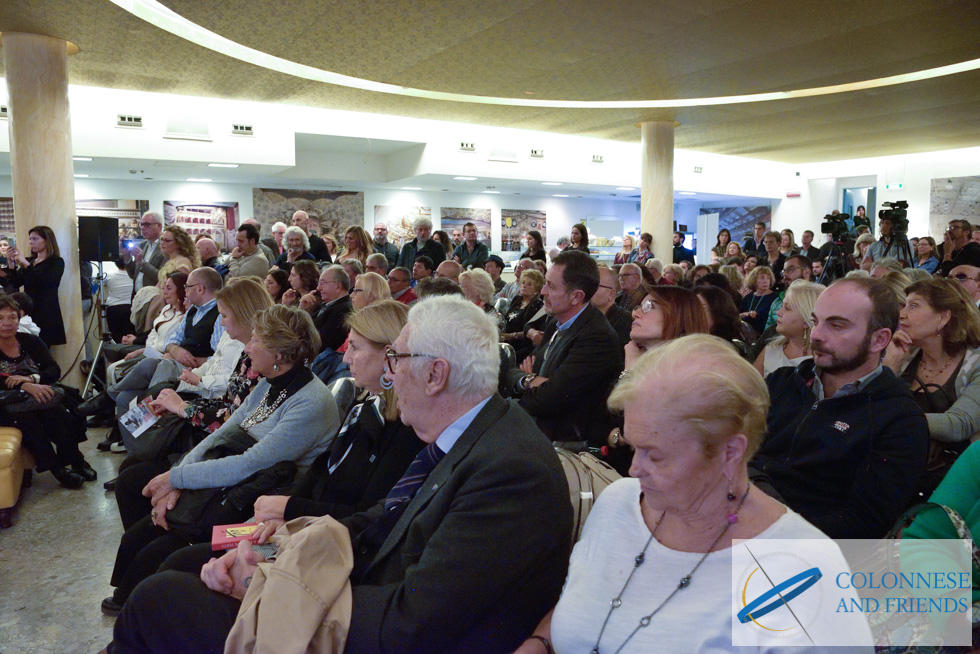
657	191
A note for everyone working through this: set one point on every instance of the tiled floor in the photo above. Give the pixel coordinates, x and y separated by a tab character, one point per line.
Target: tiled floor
55	563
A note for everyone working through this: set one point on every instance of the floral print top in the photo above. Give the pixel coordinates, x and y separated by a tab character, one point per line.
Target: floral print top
209	414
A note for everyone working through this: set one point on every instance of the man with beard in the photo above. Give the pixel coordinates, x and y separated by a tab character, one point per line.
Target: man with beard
847	443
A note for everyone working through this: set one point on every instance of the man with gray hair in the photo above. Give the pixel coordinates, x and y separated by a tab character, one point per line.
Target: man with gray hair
466	554
317	247
421	245
275	243
377	263
631	287
144	260
330	317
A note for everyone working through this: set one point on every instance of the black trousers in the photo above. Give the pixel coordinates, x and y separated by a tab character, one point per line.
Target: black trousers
174	612
117	319
144	546
47	435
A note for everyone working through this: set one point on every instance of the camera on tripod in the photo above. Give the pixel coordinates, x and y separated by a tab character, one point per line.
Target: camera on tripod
836	226
898	215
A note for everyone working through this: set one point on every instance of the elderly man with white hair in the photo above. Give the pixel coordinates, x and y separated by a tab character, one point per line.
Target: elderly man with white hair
317	247
422	244
145	259
275	243
466	554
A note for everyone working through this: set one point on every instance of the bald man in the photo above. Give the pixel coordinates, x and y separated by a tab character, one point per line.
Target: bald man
450	270
318	248
208	250
969	277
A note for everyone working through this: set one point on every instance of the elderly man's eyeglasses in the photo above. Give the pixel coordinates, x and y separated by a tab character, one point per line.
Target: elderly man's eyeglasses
147	223
962	277
621	275
392	357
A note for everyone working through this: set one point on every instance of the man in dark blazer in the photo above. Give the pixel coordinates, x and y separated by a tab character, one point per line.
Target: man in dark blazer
604	300
565	382
145	260
330	317
421	245
754	244
468	558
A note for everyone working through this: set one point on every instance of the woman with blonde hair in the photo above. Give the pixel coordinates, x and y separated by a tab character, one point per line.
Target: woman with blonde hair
755	306
787	243
734	276
936	352
897	282
734	249
623	255
369	288
357	245
793	325
477	287
182	254
861	246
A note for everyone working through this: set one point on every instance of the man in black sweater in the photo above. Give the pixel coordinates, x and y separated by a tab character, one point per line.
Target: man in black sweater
847	443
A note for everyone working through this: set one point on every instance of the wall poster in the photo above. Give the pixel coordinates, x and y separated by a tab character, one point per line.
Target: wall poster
399	220
739	220
953	198
332	211
215	220
516	223
453	218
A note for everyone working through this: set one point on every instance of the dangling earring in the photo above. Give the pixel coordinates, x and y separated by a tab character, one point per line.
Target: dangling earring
731	493
275	366
386	383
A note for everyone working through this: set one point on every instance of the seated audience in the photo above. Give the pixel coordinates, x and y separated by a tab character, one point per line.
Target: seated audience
897	282
290	417
935	352
471	253
721	281
357	245
666	313
751	262
494	267
277	283
377	263
563	385
330	247
677	520
477	287
796	267
861	246
297	248
734	250
885	265
50	430
958	248
631	290
433	286
526	312
368	289
722	315
26	304
275	243
484	517
673	273
755	306
180	250
578	238
247	257
697	272
512	289
925	255
330	315
623	256
605	301
422	268
794	322
422	245
400	285
915	274
303	278
642	254
787	243
353	268
118	292
208	250
847	444
448	269
735	278
969	278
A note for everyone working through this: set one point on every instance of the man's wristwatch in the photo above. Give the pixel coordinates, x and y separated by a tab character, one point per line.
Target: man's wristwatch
526	380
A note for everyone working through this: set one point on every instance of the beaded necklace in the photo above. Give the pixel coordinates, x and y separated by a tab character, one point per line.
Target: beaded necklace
263	410
684	582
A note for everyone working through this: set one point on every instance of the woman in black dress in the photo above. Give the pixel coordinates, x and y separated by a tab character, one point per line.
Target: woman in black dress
535	247
41	276
579	238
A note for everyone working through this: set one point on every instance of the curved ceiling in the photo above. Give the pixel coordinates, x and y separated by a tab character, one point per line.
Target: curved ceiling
647	49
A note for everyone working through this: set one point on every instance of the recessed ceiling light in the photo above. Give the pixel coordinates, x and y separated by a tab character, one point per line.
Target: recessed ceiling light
625	188
466	179
81	175
560	195
493	192
685	193
198	179
81	158
215	165
551	183
411	188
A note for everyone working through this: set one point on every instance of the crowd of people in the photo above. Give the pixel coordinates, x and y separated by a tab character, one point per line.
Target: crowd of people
388	418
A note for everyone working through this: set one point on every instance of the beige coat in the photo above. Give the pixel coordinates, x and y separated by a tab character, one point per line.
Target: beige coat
302	601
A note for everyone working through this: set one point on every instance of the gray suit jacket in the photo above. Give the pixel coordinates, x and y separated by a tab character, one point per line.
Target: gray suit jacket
479	555
150	267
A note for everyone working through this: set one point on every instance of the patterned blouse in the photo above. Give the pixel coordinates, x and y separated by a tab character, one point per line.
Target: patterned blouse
209	414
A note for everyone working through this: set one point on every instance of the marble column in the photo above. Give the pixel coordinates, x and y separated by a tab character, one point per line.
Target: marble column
36	71
657	190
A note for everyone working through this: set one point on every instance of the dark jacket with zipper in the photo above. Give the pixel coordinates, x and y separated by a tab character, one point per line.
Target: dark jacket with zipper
847	464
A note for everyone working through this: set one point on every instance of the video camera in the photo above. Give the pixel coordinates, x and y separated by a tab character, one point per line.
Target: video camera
836	226
897	214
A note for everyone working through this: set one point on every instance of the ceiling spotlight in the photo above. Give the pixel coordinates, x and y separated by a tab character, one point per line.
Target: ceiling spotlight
217	165
551	183
466	179
493	192
198	179
411	188
81	158
81	175
560	195
685	193
625	188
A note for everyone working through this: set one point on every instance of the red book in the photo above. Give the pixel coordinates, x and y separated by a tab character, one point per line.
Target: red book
225	537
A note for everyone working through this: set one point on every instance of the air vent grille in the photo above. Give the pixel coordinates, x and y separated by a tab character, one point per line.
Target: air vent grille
3	111
125	120
241	129
537	154
467	147
598	159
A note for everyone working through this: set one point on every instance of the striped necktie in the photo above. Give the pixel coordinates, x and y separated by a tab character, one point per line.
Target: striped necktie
414	477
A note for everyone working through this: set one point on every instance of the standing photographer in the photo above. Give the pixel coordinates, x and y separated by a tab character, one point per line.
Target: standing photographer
958	249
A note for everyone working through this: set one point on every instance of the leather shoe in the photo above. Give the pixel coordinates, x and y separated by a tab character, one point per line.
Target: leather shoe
94	405
110	485
67	478
98	421
110	608
84	470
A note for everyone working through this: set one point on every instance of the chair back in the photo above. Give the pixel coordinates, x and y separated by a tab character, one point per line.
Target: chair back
344	392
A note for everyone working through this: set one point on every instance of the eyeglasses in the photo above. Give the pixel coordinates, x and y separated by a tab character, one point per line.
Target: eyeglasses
621	275
187	286
609	287
962	277
397	280
392	357
168	240
146	224
647	305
